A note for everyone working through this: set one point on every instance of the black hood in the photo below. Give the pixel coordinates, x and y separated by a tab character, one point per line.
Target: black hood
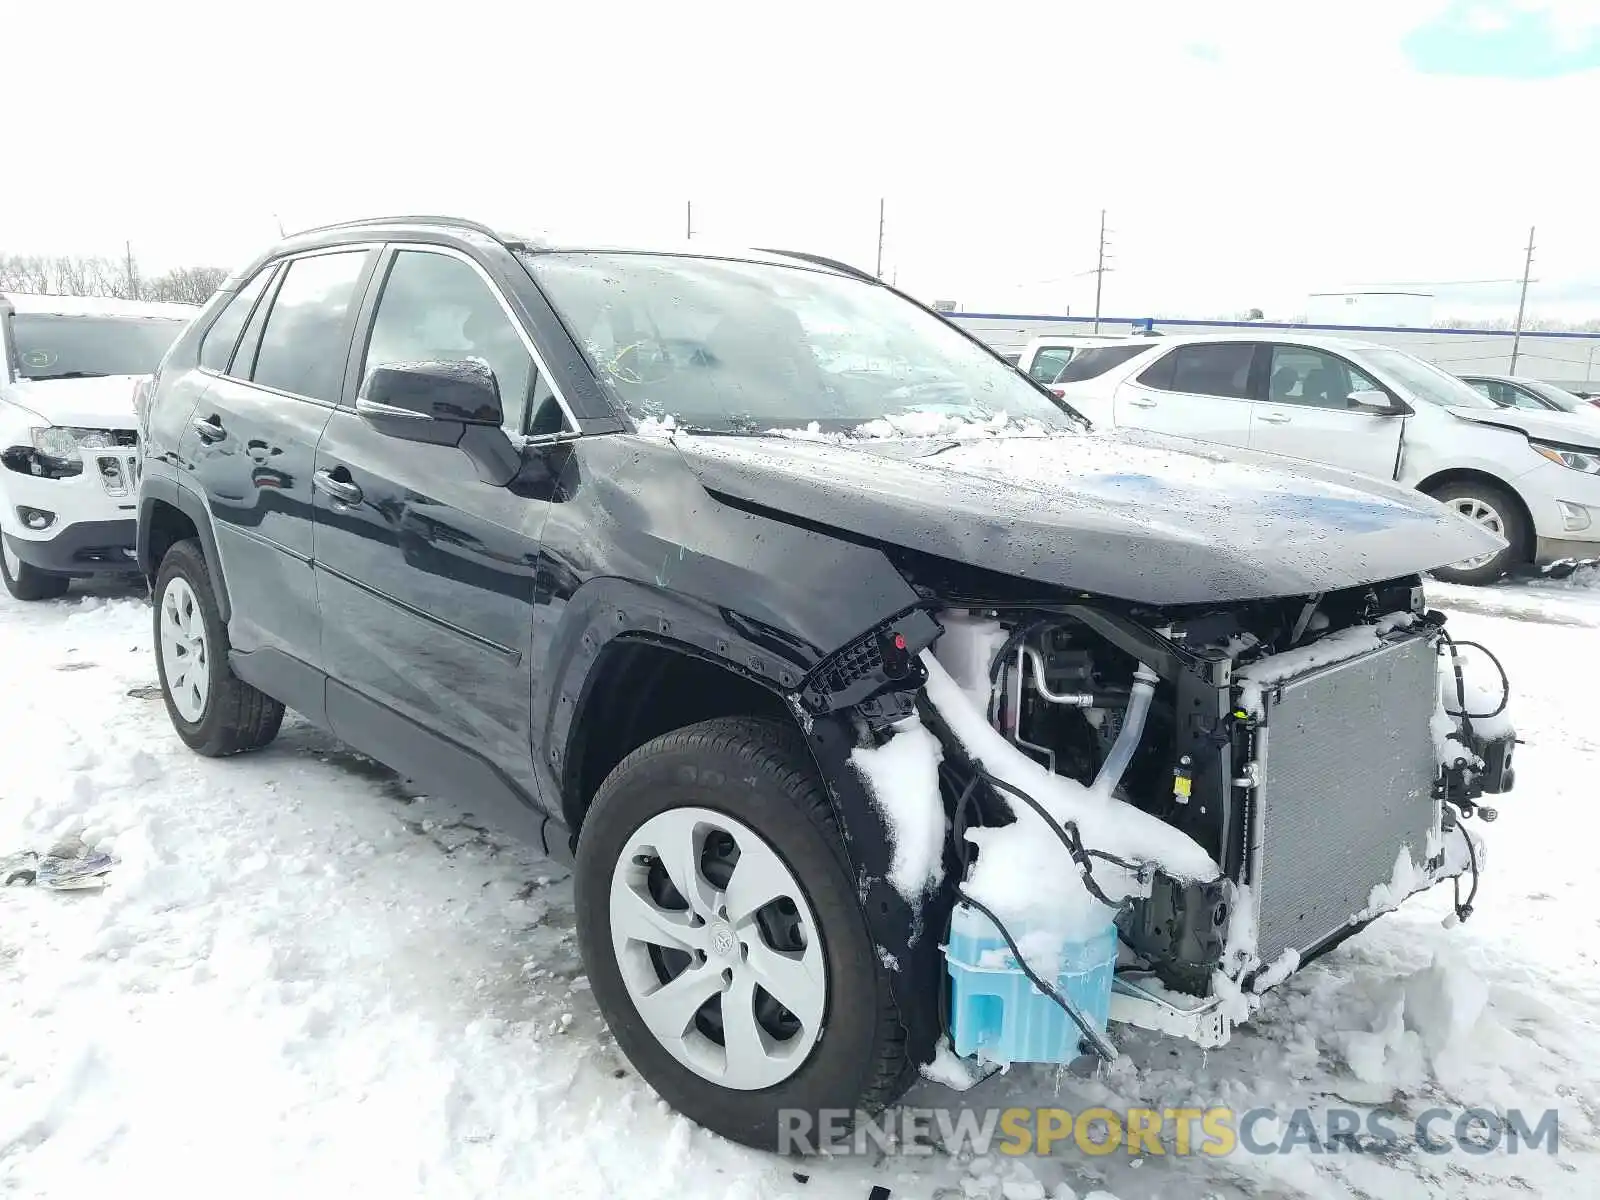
1132	516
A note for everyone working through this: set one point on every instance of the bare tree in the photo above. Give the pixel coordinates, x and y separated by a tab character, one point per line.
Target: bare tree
185	285
80	275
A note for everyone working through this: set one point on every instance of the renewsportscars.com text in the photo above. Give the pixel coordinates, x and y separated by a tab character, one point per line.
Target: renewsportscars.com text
1137	1132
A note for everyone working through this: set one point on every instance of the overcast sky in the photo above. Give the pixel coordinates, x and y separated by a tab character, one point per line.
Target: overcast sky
1248	151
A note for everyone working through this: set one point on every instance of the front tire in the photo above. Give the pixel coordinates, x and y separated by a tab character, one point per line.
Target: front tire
1496	510
724	939
214	711
26	582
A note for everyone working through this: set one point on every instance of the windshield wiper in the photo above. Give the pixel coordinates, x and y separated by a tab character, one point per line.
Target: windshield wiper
72	375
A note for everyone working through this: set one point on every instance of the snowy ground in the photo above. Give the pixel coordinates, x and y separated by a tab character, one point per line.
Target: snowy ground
304	979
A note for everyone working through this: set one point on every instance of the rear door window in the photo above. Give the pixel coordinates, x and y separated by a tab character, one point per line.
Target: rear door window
1214	369
216	348
307	334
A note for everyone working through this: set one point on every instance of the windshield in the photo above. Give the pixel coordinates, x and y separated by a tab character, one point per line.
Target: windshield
1425	381
1560	397
62	347
747	347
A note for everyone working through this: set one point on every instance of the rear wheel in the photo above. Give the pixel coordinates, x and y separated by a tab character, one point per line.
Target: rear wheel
26	582
724	939
214	711
1494	509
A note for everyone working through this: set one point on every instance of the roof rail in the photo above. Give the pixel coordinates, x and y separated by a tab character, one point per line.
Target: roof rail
818	260
409	219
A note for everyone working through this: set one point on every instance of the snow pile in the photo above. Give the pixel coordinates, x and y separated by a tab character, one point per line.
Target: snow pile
923	424
1478	694
950	1069
902	776
919	424
1286	965
654	426
1424	1019
1407	877
1335	647
1023	873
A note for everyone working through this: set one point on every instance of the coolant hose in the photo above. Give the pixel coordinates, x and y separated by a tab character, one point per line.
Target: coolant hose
1111	771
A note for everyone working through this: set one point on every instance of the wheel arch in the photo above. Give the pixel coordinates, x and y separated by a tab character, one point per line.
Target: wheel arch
1471	475
168	513
639	688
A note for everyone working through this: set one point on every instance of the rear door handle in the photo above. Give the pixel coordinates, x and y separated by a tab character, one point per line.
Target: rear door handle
1275	418
1142	403
210	428
342	490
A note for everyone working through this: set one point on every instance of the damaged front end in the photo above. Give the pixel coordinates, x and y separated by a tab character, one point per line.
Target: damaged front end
1240	788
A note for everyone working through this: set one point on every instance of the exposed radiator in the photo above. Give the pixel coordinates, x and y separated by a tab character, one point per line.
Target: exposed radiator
1346	781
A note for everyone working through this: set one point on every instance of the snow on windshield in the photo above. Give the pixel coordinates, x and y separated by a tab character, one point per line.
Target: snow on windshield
736	346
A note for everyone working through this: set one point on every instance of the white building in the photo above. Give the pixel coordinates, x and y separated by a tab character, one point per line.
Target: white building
1570	360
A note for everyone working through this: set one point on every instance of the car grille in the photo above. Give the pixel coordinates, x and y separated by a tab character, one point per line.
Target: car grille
118	473
1346	781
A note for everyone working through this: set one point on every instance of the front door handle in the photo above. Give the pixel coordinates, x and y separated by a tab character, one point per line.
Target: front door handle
1142	403
342	490
1275	418
210	428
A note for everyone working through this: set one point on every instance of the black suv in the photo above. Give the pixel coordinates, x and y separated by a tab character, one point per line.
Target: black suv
653	550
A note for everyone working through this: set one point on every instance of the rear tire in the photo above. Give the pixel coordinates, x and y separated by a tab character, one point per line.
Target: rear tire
841	1046
214	711
26	582
1496	509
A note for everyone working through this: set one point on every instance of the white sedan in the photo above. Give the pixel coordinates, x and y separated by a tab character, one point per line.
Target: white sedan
1531	477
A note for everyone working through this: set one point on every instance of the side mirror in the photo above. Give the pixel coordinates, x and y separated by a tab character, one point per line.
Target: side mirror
1370	400
443	404
457	393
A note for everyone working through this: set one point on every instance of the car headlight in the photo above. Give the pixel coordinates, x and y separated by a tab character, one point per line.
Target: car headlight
1587	461
64	441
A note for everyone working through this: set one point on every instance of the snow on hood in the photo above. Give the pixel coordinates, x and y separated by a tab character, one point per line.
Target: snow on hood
1571	428
1135	515
104	403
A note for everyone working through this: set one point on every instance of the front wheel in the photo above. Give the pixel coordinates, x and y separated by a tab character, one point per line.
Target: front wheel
214	711
26	582
1493	508
724	939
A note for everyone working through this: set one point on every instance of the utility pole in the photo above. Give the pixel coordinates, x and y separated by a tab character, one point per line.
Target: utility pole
1100	271
1522	302
133	279
880	238
688	220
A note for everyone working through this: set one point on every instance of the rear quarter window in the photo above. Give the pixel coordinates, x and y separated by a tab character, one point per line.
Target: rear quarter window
216	349
1096	361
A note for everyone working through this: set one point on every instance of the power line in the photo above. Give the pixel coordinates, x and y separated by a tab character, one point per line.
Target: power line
1099	271
879	271
1522	302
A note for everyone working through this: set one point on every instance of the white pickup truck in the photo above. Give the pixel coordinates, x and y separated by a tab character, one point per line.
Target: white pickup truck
1531	477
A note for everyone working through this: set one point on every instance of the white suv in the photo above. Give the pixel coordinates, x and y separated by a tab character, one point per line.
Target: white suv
1531	477
69	458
